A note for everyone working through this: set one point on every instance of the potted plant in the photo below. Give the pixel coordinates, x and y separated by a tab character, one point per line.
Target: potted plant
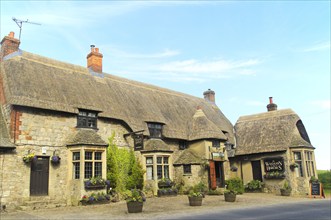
286	189
55	159
230	195
195	198
254	186
29	157
134	200
95	183
293	166
95	198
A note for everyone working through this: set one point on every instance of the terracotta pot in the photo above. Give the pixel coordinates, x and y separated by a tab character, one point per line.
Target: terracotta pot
135	207
195	201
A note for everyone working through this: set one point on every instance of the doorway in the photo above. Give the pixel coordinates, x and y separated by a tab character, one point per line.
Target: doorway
39	176
219	172
256	168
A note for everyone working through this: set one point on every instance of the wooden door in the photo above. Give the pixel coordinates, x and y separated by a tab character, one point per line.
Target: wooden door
39	176
213	183
256	168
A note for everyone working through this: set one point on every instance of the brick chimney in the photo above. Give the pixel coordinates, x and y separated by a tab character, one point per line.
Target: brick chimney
9	45
271	106
209	96
94	60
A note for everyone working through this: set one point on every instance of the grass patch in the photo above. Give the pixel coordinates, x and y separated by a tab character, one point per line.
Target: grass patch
327	193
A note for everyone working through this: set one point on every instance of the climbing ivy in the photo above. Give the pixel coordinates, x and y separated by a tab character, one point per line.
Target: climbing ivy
123	169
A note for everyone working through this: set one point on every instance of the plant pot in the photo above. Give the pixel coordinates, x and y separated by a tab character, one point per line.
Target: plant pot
229	197
135	207
195	201
285	192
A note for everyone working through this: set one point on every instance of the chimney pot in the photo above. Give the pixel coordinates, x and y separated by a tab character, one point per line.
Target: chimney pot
9	45
94	60
209	96
271	106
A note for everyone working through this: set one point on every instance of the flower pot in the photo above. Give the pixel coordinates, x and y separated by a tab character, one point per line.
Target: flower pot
195	201
229	197
285	192
134	207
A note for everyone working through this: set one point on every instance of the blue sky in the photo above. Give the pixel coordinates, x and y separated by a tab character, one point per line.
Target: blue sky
245	51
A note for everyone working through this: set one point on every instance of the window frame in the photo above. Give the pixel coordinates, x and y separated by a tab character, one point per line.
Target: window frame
309	163
87	119
216	143
299	162
160	167
155	130
187	169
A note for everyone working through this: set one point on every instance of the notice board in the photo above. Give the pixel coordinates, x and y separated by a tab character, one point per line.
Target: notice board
316	190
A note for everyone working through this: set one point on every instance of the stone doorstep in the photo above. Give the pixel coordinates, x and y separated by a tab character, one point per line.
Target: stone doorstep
38	202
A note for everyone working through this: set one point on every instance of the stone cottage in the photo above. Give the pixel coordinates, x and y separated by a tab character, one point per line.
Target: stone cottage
51	108
273	147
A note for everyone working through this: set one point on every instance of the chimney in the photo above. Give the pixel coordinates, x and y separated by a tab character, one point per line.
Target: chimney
271	106
94	60
9	45
209	96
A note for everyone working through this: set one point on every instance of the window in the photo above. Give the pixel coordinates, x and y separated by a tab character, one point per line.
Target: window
298	160
309	163
91	161
302	131
86	119
216	143
149	168
182	145
76	164
187	169
158	165
155	130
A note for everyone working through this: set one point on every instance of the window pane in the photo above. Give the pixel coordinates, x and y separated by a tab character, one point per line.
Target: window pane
297	155
76	171
166	171
187	169
97	169
88	170
97	156
88	155
165	160
76	156
149	172
159	171
159	160
149	160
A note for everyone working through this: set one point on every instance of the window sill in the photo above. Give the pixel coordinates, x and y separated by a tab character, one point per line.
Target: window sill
187	174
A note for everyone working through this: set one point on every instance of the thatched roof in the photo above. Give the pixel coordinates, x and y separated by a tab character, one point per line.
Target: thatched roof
5	142
156	145
35	81
269	132
188	157
85	137
200	127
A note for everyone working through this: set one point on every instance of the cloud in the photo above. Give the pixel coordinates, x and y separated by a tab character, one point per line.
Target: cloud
322	104
318	47
189	70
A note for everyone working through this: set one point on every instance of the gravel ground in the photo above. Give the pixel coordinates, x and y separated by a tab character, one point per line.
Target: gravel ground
154	208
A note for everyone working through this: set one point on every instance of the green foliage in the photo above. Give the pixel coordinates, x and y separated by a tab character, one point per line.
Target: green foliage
201	187
234	192
254	185
123	169
324	177
286	185
133	195
235	184
215	192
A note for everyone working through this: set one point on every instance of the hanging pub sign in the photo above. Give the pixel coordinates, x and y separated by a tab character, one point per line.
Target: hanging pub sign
217	156
138	141
274	164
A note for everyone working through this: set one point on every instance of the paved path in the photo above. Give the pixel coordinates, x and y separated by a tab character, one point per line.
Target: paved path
154	208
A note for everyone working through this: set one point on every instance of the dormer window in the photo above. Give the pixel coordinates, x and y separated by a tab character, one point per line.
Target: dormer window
87	119
155	130
216	143
182	145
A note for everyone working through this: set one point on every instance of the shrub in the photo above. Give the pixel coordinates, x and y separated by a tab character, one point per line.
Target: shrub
325	178
201	187
235	184
254	185
215	192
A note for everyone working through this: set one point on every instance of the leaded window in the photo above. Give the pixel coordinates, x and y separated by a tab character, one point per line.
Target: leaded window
187	169
155	130
87	119
298	160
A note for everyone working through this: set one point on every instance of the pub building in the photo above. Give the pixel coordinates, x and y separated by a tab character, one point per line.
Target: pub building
52	108
273	147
